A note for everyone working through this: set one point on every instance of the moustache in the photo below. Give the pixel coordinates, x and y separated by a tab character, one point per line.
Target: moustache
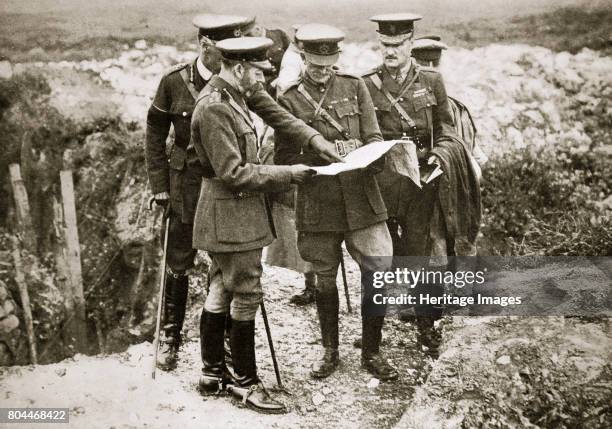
390	57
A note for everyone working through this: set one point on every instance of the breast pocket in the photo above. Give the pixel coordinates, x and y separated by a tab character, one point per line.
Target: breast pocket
241	220
248	144
382	109
424	99
347	111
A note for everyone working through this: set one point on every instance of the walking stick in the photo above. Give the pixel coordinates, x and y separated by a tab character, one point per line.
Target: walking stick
346	291
279	382
162	285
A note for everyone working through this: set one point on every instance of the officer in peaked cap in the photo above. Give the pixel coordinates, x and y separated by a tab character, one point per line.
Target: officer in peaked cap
347	207
175	181
395	28
411	102
232	221
427	50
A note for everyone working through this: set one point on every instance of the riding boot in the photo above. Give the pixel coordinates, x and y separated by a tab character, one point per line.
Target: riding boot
308	295
371	358
427	335
226	341
327	308
247	385
175	298
215	376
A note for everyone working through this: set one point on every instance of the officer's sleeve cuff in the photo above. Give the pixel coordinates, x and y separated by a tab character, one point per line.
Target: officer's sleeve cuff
308	143
161	196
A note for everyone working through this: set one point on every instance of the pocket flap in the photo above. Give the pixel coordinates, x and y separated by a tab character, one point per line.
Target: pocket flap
346	108
424	99
241	220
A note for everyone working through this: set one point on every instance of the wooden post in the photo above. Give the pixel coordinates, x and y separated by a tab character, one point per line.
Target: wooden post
25	300
22	209
62	273
73	257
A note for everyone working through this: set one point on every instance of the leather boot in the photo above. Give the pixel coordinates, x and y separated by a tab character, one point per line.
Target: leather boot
371	358
427	336
226	341
175	299
308	295
327	307
247	387
215	376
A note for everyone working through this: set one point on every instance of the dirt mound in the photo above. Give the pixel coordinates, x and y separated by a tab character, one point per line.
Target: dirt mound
518	372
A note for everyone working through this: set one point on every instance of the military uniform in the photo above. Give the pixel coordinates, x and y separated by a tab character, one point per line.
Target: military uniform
424	116
332	209
178	175
413	105
232	220
428	51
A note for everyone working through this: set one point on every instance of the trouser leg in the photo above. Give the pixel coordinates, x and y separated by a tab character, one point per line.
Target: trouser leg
179	258
372	248
323	251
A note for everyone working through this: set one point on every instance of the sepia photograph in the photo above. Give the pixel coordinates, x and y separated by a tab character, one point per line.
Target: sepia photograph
306	214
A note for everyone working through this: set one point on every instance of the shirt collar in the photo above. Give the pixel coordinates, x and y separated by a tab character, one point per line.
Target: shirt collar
203	71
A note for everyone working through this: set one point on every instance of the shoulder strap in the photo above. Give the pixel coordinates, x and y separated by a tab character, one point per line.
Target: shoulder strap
240	110
319	109
379	85
189	83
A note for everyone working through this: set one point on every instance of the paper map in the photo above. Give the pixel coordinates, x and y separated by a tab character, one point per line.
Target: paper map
401	158
359	158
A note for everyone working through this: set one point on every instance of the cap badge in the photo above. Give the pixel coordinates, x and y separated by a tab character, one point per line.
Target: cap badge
324	49
392	28
237	32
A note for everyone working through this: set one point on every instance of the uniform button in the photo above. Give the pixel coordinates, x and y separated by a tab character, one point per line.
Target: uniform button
184	113
401	99
240	194
322	89
428	104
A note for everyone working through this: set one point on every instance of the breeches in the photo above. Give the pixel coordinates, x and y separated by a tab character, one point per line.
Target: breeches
235	284
180	255
370	247
324	249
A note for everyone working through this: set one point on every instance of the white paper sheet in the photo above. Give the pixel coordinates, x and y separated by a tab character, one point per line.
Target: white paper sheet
359	158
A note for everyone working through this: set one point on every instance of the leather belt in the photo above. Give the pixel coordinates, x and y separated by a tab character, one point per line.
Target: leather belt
219	185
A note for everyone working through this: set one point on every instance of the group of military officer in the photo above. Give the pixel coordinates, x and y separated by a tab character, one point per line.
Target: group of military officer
215	186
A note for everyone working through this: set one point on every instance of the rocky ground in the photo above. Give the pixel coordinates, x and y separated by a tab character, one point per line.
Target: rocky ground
493	371
117	390
507	371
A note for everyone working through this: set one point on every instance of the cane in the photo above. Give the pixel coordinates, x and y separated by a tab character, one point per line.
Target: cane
160	303
346	291
279	382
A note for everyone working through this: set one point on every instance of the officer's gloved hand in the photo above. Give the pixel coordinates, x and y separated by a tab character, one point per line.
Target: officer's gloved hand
162	199
301	172
433	160
325	149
